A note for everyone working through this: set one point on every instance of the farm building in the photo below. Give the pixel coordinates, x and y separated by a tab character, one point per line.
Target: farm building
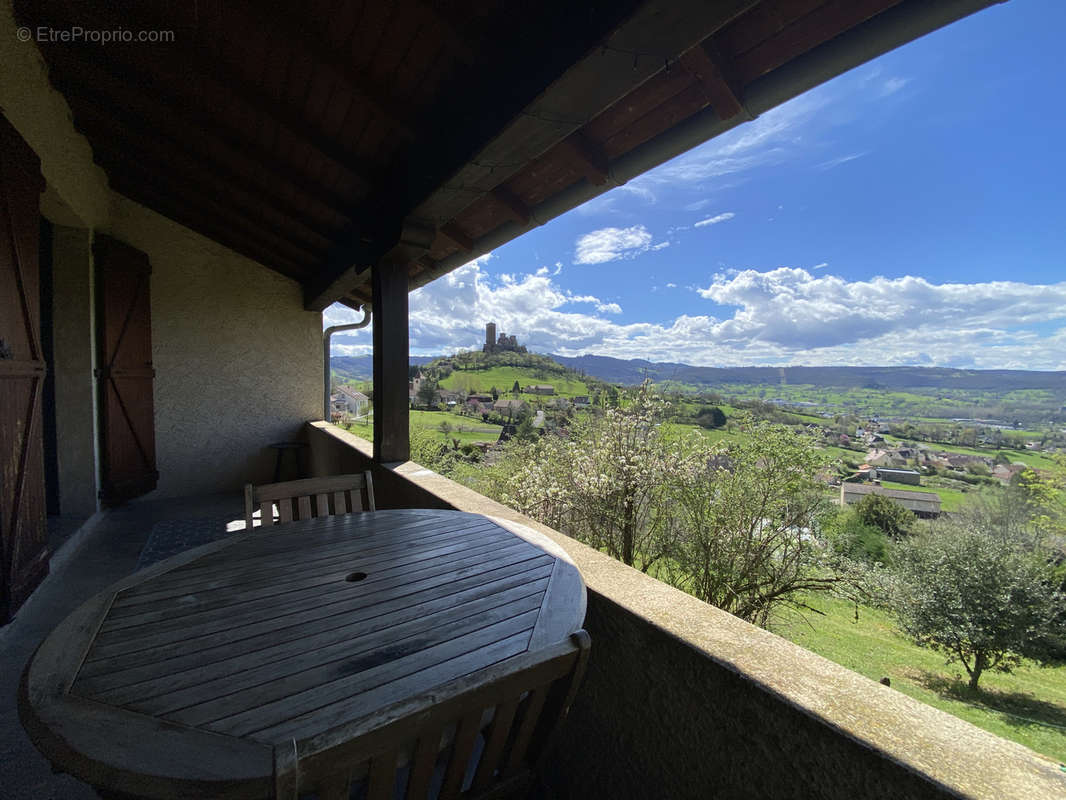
923	504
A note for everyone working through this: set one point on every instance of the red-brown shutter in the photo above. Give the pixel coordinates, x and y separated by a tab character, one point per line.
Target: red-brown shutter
23	532
124	370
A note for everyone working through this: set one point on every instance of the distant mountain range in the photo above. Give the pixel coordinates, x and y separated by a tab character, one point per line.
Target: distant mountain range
361	368
616	370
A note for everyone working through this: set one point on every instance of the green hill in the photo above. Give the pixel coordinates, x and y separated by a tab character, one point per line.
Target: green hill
478	372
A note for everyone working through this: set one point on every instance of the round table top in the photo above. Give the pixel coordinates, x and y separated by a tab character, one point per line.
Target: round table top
185	676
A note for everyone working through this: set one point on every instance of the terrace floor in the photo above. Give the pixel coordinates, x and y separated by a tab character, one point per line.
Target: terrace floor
87	562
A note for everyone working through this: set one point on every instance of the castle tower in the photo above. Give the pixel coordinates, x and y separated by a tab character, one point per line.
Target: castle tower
490	336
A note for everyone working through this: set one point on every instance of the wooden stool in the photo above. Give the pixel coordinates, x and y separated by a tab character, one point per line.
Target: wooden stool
285	447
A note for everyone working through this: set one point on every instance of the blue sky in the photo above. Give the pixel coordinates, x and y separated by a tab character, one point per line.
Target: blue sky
910	211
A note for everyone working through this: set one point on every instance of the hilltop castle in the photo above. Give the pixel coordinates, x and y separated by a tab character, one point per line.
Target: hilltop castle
504	344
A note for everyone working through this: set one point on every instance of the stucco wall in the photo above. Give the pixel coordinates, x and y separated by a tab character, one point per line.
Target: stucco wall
238	361
684	700
72	309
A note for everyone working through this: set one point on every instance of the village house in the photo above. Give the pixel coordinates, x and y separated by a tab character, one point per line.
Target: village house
177	216
509	407
350	401
909	476
540	389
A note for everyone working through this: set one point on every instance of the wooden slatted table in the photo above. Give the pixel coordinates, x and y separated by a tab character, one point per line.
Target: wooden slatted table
180	680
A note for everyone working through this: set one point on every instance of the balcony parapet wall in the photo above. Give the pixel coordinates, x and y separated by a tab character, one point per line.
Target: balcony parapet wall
682	699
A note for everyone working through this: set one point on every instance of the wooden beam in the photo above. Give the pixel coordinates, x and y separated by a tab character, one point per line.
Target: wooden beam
391	405
588	157
512	205
213	229
92	79
701	65
502	117
130	174
455	233
405	241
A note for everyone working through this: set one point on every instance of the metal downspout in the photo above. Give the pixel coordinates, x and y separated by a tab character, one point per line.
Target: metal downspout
326	335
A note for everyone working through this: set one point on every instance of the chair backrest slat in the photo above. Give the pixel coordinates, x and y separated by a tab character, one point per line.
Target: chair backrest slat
382	777
285	509
532	707
465	738
494	742
346	491
424	761
529	691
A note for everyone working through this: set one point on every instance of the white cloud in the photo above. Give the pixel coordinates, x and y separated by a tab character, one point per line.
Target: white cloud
893	85
715	219
836	162
778	316
611	244
823	265
671	286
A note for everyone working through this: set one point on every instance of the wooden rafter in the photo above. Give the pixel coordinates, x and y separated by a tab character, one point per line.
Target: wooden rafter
157	110
587	157
280	23
456	235
512	205
192	64
706	69
115	132
214	229
129	173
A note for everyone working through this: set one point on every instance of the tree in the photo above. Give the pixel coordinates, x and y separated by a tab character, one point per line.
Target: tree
495	393
744	516
427	392
979	599
886	514
710	417
606	484
516	389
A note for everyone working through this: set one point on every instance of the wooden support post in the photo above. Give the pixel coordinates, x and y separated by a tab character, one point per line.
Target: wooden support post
392	441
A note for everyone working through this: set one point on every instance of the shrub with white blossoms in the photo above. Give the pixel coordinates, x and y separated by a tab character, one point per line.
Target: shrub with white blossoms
606	484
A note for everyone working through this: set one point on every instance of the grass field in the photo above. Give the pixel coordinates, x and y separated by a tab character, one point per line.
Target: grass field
1028	707
503	379
473	430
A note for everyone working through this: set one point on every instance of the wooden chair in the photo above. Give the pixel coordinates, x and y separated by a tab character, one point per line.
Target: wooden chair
309	497
478	736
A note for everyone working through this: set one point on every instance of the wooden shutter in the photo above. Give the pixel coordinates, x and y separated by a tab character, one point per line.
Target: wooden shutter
23	532
124	371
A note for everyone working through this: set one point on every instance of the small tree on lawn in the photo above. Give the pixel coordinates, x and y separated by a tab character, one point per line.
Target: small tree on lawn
885	513
744	516
979	599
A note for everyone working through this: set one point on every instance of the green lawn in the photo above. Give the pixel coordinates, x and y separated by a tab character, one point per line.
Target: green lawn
503	379
473	430
1028	707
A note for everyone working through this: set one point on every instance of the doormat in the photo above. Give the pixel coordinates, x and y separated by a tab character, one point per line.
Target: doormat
173	536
